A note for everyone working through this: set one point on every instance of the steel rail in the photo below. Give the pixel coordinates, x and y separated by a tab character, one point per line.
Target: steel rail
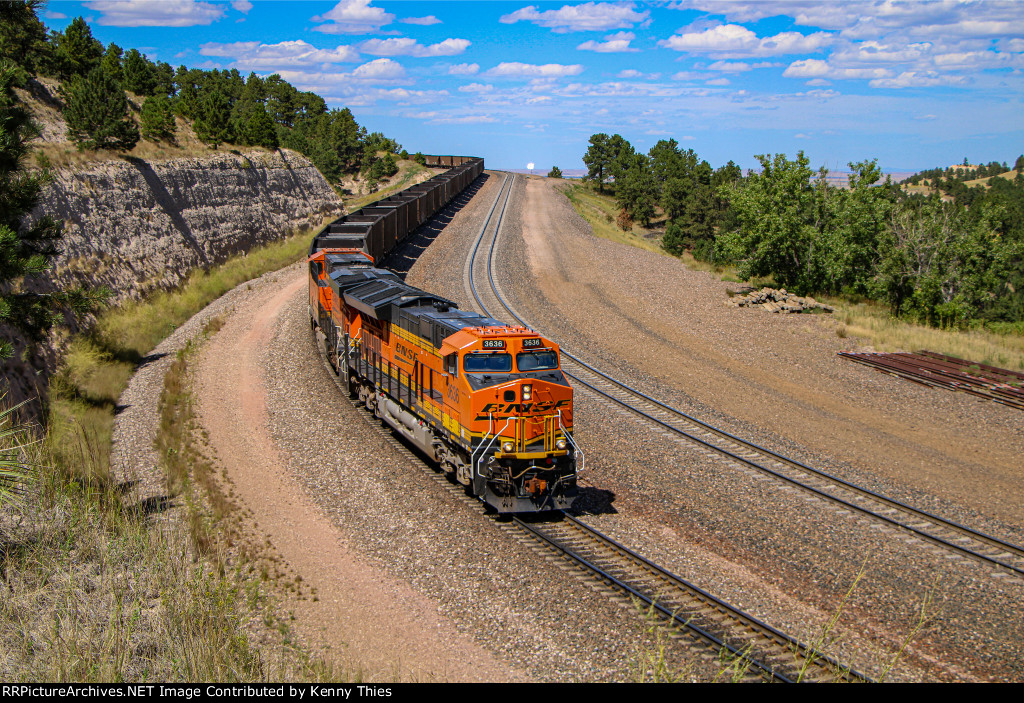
694	608
938	524
769	637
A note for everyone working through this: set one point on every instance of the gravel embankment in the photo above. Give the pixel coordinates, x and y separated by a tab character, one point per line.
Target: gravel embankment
775	380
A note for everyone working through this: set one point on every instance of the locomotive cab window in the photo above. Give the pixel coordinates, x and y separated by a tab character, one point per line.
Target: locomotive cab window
536	361
487	363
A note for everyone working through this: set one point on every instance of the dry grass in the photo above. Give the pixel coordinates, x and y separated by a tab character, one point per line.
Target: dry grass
409	173
600	211
873	323
101	590
98	591
1009	175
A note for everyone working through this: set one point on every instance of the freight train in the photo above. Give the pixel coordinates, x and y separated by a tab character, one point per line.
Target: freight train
487	401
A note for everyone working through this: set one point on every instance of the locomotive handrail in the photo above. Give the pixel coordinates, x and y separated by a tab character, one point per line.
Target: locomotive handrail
581	464
476	468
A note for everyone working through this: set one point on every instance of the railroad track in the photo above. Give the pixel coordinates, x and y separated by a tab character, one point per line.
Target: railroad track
951	538
763	652
756	651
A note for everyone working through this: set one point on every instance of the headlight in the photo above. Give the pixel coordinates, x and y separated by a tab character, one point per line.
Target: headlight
507	447
527	391
561	444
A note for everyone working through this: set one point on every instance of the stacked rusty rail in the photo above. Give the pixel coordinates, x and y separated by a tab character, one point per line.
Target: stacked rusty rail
941	371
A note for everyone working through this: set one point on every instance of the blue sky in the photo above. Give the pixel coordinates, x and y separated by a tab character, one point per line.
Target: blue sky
913	84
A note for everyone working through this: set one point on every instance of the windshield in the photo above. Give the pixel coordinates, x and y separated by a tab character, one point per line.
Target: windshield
493	363
536	361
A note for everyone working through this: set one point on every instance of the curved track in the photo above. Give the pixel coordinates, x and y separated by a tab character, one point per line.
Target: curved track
937	532
763	651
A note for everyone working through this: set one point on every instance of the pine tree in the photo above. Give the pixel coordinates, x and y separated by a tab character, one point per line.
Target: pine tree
139	73
157	118
24	251
23	36
213	126
555	172
75	51
597	159
259	130
111	62
96	111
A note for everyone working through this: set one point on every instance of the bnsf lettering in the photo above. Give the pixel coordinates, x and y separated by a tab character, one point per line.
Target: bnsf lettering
542	407
405	351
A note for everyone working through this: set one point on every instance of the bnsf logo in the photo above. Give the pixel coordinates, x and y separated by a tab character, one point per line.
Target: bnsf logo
541	407
405	351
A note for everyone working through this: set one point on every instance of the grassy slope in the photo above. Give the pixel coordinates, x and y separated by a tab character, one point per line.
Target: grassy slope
100	592
409	173
869	321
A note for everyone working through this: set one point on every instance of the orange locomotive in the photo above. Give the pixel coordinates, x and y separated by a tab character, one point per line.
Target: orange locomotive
487	401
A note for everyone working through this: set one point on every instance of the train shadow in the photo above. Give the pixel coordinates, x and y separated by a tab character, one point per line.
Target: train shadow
402	259
593	501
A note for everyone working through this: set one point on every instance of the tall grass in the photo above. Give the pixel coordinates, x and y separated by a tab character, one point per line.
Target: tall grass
872	322
600	211
409	173
98	589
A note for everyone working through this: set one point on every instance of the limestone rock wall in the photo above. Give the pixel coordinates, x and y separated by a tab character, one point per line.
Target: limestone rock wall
135	226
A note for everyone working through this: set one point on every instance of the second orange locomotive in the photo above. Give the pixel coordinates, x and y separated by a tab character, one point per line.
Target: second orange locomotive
489	402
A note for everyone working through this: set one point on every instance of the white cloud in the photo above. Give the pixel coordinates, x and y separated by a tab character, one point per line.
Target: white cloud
591	16
242	6
633	73
353	17
875	52
613	43
424	21
918	79
816	68
476	88
54	15
718	81
464	119
730	66
253	56
379	71
515	69
155	13
464	69
618	89
735	41
404	46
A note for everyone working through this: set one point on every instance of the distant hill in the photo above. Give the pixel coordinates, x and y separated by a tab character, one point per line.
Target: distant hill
840	179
